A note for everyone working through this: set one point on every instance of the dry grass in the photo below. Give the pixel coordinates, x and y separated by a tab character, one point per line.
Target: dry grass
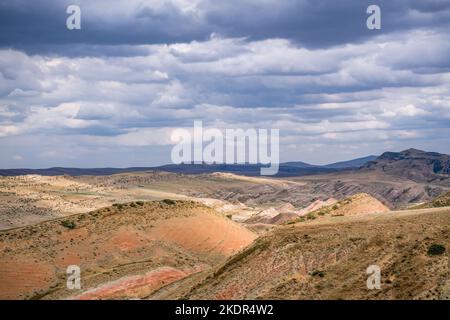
286	263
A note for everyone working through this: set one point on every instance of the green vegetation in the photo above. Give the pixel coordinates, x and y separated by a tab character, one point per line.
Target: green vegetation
436	249
311	216
170	202
119	206
319	273
68	224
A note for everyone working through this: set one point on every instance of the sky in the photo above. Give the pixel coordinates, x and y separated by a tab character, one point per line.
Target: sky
110	94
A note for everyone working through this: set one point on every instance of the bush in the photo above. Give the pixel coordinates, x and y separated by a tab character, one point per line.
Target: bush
68	224
140	203
118	206
169	201
436	249
319	273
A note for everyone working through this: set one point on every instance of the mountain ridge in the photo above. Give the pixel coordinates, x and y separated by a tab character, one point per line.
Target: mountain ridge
286	169
412	164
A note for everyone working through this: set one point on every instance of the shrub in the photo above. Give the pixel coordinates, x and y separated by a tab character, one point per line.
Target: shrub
169	201
119	206
319	273
436	249
335	207
140	203
68	224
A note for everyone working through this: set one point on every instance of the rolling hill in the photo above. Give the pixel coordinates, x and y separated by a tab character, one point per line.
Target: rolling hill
328	260
124	251
358	204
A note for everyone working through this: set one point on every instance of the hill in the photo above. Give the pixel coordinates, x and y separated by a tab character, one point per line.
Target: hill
358	204
328	260
413	164
441	201
355	163
124	251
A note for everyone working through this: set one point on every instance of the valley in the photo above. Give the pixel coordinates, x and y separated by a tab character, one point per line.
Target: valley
165	235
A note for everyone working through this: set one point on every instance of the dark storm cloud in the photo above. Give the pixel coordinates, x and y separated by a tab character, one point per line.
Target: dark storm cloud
139	69
321	23
39	26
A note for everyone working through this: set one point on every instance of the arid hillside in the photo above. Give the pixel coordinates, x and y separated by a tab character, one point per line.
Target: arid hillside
442	201
160	235
124	251
328	259
357	205
31	199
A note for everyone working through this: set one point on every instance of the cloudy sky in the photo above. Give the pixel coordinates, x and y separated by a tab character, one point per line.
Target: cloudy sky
111	93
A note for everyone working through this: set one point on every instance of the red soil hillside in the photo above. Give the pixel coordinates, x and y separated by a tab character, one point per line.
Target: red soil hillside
140	246
359	204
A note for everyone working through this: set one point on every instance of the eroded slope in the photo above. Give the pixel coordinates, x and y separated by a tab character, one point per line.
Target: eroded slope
328	260
153	242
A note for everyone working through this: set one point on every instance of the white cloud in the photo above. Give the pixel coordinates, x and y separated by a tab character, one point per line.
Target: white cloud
315	96
409	110
144	137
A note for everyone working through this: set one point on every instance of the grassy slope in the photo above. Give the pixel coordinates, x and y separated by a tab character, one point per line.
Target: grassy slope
328	260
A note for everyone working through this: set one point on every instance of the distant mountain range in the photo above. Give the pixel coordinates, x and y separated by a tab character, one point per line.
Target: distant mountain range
411	164
286	169
355	163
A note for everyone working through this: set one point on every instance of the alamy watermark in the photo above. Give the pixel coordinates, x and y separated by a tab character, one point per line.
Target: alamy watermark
373	22
374	279
231	146
74	277
73	21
